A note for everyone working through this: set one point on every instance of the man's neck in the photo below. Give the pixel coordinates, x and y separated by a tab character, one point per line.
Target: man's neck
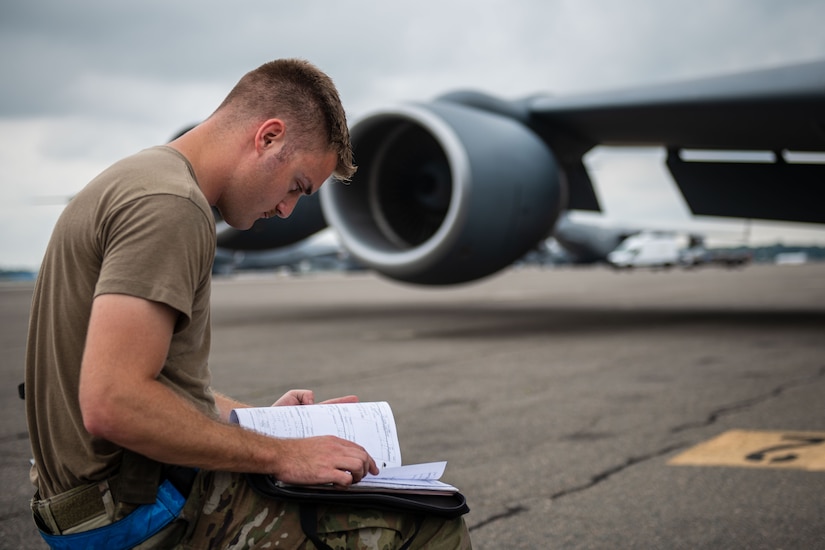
206	154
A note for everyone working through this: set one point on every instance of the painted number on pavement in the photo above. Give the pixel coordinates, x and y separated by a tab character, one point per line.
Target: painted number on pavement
758	449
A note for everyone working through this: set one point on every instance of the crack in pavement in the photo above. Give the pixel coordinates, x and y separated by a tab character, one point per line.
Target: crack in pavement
634	460
746	403
594	480
514	511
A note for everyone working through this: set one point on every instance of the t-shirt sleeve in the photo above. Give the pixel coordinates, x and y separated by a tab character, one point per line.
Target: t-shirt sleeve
160	248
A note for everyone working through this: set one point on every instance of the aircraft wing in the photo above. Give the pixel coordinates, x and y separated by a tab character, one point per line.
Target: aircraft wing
458	188
771	110
778	111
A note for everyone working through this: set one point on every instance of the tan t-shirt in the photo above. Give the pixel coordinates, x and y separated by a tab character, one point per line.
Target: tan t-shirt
141	228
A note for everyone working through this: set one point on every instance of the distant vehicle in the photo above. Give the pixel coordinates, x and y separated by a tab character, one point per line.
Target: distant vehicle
791	258
695	254
665	249
649	249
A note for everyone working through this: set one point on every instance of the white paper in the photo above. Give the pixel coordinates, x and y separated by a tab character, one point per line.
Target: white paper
371	425
400	484
428	470
410	477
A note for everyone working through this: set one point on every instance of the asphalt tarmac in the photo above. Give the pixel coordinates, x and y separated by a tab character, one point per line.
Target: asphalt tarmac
559	397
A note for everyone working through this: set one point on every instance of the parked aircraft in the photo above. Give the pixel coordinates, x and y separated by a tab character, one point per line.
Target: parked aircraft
587	243
319	252
456	189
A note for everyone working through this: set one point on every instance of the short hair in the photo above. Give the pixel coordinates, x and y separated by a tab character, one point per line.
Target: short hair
300	93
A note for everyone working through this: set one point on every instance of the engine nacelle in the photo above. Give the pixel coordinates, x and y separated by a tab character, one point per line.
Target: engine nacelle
266	234
444	193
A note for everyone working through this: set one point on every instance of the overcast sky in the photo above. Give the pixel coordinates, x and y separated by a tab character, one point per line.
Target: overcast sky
87	82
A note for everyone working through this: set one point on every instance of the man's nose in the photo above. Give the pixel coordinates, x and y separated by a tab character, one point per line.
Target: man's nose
286	206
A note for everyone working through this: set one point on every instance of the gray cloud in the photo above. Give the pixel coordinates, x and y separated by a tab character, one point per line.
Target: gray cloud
374	47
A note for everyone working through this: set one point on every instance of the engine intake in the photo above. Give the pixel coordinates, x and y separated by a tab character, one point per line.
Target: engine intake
444	193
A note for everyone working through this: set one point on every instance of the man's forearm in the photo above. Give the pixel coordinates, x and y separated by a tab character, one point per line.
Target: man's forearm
175	432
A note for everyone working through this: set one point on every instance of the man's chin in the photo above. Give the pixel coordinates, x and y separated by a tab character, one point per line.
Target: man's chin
240	225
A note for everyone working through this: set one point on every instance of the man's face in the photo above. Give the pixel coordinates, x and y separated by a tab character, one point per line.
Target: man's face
273	184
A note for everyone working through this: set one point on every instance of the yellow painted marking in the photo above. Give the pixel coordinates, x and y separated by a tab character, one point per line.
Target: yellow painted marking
758	449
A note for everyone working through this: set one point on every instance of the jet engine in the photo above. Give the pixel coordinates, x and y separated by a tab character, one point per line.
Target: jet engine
444	194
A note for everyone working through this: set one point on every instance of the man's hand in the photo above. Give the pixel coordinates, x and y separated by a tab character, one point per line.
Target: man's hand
325	459
321	460
307	397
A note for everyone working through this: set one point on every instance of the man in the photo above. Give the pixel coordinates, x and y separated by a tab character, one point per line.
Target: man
117	382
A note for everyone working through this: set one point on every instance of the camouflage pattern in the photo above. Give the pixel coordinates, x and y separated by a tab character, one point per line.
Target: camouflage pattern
223	512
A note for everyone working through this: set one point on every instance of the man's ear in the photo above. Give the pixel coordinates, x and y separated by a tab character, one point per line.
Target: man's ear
270	135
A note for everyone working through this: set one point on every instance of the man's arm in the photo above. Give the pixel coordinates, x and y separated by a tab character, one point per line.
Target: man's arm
122	401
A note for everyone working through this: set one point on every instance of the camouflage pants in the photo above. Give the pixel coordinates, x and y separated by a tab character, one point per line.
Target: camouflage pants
223	512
